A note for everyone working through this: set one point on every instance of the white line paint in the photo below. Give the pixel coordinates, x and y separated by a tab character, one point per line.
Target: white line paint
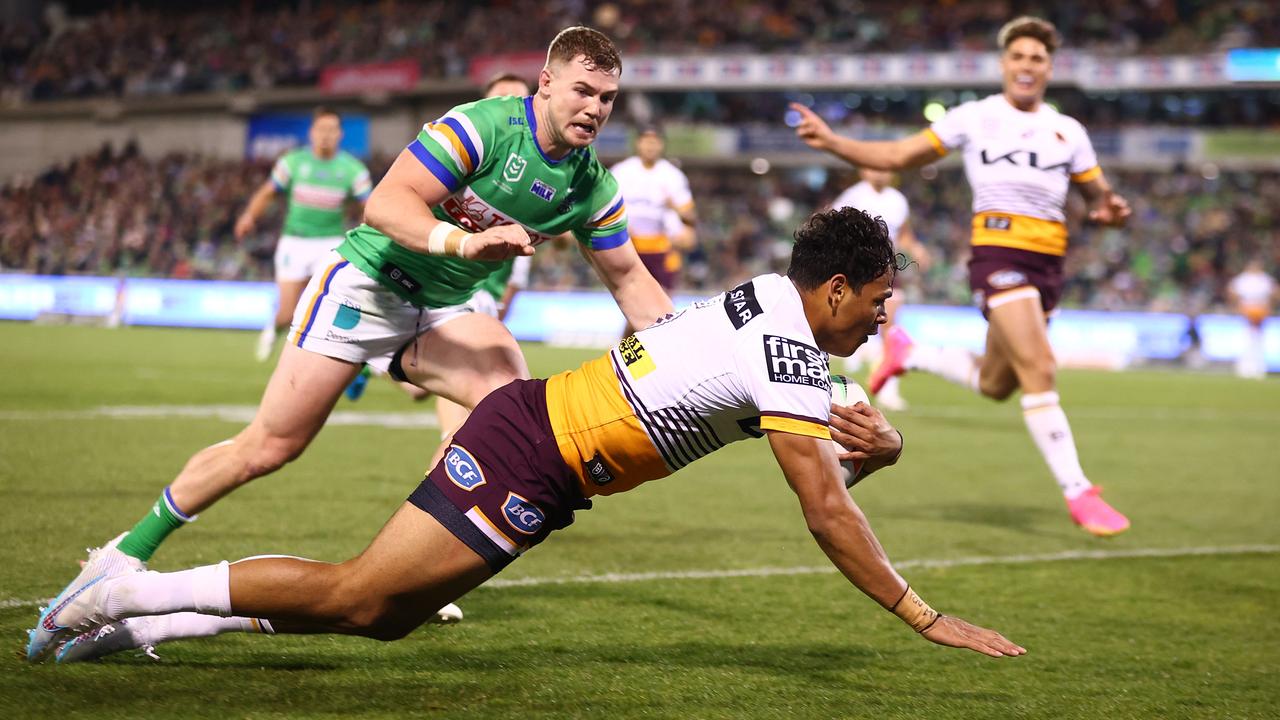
611	578
238	414
242	414
901	565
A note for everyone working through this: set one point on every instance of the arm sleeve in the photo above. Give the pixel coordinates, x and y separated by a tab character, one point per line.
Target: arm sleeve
951	131
606	227
362	185
1084	161
280	175
453	147
681	196
520	272
788	383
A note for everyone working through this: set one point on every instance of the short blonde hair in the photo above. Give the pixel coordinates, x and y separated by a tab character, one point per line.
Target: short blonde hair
1032	27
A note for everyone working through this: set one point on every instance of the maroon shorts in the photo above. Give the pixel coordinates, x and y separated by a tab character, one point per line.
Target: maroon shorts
502	486
1002	274
657	264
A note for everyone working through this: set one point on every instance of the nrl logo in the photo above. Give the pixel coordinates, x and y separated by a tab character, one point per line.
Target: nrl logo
514	169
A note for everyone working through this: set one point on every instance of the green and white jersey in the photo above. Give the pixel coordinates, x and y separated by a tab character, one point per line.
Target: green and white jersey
316	190
487	155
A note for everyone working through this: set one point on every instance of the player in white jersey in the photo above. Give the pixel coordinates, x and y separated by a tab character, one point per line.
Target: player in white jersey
655	190
1252	293
875	195
749	363
1020	156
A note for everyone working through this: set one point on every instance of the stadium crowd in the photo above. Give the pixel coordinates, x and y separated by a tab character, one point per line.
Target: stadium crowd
238	45
118	212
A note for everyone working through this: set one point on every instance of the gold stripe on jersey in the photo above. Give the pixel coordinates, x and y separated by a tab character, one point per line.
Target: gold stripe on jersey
935	141
591	419
1020	232
1092	173
651	243
794	426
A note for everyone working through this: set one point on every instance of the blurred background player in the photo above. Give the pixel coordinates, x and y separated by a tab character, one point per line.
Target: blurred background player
875	194
1020	156
1252	293
317	182
655	191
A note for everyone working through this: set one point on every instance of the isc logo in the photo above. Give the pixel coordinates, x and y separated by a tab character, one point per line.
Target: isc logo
462	468
795	363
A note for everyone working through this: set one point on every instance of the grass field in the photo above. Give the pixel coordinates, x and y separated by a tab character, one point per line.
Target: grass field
699	596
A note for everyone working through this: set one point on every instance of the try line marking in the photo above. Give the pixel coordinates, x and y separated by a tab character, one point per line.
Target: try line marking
609	578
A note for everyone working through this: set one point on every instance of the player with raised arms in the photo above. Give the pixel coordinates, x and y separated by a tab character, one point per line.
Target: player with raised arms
484	183
1020	156
748	363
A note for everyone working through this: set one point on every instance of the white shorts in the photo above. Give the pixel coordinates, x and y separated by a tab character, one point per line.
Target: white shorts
297	258
348	315
483	303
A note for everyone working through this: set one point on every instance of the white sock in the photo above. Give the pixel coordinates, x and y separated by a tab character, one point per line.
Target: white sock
954	364
204	590
180	626
1051	431
890	388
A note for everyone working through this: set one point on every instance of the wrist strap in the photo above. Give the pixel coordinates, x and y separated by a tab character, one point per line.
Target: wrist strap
914	611
447	239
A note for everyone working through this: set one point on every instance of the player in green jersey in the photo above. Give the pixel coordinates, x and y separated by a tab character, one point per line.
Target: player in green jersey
484	183
317	182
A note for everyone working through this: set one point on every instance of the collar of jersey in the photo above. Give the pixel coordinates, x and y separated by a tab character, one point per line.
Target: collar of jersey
532	123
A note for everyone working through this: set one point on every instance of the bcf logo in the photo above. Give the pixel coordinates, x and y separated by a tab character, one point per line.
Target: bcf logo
462	468
522	515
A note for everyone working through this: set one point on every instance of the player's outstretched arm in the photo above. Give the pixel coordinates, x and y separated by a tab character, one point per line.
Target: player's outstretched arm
908	152
400	208
640	298
843	533
257	205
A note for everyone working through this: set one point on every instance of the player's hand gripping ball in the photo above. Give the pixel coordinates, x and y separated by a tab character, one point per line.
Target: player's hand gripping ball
846	393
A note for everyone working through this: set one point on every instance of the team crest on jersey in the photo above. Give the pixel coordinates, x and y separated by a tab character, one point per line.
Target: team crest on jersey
741	306
542	190
597	470
796	363
462	468
522	515
1005	279
514	169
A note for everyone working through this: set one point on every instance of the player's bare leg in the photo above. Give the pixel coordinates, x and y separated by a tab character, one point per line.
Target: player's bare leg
298	399
450	416
463	360
1018	335
288	292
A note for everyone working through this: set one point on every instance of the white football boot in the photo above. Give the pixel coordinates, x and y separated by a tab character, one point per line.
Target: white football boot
76	609
447	615
130	634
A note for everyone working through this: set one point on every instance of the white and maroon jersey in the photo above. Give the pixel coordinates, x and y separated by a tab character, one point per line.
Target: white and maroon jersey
888	204
1019	165
650	194
1253	288
722	370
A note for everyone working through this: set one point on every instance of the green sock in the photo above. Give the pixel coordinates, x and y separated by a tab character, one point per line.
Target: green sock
153	528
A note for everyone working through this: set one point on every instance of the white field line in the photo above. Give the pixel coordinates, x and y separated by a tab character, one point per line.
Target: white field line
612	578
242	414
239	414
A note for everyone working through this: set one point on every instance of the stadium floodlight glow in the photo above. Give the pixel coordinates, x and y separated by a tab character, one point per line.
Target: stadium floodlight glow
760	166
1253	65
933	111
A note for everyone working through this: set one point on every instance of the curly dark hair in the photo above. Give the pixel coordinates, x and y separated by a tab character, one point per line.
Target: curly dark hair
846	241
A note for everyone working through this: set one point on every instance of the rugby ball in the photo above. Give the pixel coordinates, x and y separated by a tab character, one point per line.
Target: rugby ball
845	392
